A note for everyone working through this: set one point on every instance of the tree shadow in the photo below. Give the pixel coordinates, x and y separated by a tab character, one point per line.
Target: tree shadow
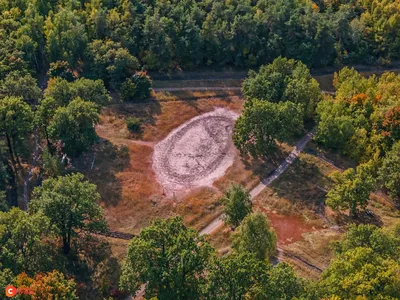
146	111
100	167
362	217
263	165
304	183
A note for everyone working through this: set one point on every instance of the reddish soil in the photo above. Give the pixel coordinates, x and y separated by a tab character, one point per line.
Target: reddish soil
289	229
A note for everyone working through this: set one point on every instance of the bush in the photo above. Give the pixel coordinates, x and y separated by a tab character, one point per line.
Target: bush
136	88
133	124
128	90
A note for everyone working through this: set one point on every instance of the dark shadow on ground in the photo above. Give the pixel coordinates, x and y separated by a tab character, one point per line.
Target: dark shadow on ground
303	182
146	111
107	160
362	217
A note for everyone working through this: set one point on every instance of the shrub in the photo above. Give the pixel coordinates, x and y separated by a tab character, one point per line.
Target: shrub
128	90
136	88
133	124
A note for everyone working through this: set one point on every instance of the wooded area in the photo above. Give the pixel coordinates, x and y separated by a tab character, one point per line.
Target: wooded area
62	62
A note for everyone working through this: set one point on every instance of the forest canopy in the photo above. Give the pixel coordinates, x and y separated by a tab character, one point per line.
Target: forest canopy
108	39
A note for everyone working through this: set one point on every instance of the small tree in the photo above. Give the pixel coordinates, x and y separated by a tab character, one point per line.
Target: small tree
70	204
136	88
128	90
169	258
237	205
133	124
352	188
61	69
255	235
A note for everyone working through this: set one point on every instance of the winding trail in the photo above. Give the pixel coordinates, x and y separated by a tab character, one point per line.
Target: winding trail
216	223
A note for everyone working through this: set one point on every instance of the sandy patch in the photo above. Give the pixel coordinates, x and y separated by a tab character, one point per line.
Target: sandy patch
196	153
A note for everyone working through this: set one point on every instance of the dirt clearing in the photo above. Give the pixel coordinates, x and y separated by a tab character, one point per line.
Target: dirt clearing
196	153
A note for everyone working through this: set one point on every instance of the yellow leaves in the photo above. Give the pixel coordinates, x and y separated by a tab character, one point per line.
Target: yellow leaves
315	7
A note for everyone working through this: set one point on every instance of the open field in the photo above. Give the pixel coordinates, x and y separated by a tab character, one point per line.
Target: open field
294	203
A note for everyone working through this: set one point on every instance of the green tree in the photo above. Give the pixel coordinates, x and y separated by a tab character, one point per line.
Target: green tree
279	282
74	126
284	80
255	235
361	274
263	122
335	124
169	258
137	87
19	85
44	115
389	173
15	124
237	205
233	276
22	246
242	276
89	90
368	236
70	203
111	62
66	36
352	188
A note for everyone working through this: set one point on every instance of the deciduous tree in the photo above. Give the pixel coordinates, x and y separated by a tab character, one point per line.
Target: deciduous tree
169	258
74	126
70	203
237	205
264	122
255	235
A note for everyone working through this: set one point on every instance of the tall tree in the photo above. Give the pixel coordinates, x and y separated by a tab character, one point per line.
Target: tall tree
15	124
74	126
22	85
66	36
262	122
70	203
284	80
169	258
22	246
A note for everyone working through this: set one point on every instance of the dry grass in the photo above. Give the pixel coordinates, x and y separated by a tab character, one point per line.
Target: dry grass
131	195
200	207
164	96
157	84
315	249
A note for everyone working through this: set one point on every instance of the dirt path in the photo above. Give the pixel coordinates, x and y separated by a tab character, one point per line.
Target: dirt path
200	88
214	88
268	180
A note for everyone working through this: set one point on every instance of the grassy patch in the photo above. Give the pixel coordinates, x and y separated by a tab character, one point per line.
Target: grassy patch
159	84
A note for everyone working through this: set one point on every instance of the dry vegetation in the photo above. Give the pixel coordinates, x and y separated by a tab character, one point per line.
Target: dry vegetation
294	203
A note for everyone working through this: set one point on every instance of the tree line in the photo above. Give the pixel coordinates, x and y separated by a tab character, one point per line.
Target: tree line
171	261
362	122
109	39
